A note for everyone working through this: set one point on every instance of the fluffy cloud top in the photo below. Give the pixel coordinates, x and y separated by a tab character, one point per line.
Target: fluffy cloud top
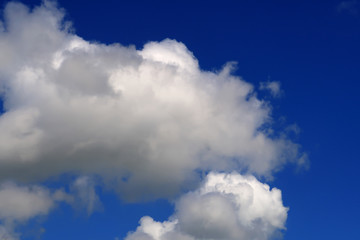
145	120
148	122
226	206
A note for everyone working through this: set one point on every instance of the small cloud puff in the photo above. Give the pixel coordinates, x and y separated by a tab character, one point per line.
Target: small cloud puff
273	87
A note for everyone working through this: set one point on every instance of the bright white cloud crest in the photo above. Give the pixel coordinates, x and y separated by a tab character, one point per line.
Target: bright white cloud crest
146	121
227	206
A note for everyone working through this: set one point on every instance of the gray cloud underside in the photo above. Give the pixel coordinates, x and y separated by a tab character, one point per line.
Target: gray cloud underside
148	122
148	119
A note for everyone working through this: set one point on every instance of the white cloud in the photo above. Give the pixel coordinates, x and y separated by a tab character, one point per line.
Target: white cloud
146	119
149	122
226	206
273	87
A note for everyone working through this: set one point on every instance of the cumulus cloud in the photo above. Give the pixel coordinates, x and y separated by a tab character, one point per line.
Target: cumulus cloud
226	206
145	120
149	123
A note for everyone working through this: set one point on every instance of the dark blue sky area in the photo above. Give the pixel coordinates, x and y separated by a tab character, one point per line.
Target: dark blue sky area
311	47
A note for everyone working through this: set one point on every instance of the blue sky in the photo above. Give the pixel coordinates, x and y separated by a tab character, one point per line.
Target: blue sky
310	49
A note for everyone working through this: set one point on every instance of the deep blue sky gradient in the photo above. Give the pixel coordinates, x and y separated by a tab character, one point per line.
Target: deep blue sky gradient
311	47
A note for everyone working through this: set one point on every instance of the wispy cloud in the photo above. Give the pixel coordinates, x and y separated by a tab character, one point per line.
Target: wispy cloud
273	87
350	7
84	196
18	204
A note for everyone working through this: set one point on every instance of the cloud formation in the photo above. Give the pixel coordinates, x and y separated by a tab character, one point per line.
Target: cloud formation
84	196
226	206
21	203
272	86
18	204
149	119
148	122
